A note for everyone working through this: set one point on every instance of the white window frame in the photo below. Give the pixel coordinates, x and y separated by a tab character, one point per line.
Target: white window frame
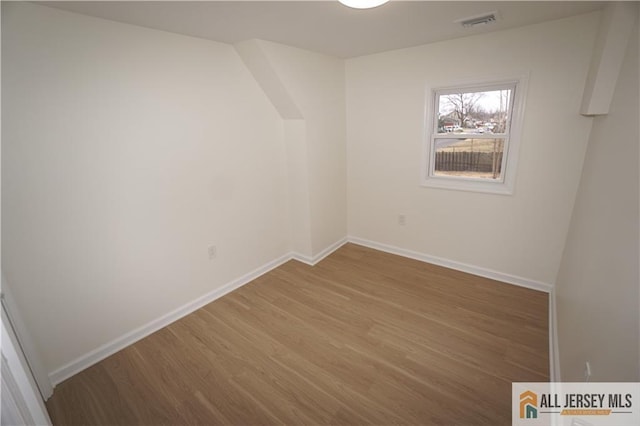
506	184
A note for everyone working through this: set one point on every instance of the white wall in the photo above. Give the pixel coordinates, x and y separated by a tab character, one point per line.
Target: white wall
597	288
295	137
521	235
316	84
126	152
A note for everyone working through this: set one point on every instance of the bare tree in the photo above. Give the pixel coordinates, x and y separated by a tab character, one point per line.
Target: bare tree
483	114
498	144
501	116
464	105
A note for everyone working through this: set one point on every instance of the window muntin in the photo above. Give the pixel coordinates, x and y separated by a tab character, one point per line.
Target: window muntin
470	142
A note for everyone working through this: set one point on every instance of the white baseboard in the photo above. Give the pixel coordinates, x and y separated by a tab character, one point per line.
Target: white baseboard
554	355
133	336
311	261
554	352
459	266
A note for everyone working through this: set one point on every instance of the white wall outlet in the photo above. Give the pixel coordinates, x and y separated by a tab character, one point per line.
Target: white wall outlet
402	220
587	371
213	252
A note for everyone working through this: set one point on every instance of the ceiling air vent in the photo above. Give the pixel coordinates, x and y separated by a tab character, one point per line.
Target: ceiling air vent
473	21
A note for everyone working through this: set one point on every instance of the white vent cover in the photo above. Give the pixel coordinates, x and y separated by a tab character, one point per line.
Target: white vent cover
484	19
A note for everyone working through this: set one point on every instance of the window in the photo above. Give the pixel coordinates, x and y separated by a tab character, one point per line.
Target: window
472	136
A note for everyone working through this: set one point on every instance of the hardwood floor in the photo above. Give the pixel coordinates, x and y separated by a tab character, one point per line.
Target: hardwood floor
364	337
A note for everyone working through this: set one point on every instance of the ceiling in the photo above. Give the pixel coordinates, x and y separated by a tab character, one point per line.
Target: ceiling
326	26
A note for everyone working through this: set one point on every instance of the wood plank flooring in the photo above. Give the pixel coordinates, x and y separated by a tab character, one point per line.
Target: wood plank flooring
364	337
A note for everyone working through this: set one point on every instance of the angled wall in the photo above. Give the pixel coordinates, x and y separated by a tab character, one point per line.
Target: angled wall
597	289
314	83
616	26
263	70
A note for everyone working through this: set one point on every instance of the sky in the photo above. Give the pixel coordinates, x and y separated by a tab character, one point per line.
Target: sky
489	101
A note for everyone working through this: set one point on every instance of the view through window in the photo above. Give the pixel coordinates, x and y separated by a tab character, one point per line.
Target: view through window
471	132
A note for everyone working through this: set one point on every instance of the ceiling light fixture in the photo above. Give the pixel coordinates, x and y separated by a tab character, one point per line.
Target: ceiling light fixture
363	4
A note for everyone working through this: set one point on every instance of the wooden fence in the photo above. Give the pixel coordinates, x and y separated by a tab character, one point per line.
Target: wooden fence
468	161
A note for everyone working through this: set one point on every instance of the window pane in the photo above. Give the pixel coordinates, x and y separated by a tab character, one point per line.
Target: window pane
476	158
474	112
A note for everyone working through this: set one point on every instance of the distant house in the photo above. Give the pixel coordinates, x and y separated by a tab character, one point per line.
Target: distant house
449	123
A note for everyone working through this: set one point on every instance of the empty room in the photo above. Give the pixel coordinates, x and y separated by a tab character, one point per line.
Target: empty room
320	212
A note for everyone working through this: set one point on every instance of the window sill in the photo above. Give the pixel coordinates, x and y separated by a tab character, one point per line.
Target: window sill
469	185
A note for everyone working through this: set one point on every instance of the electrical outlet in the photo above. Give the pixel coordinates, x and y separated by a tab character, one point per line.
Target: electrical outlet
587	371
213	252
402	220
